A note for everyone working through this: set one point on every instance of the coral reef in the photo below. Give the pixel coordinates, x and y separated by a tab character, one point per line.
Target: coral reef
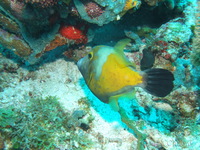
58	41
45	103
169	3
93	10
195	56
111	10
43	3
17	21
87	116
130	4
48	16
14	43
17	8
181	32
8	24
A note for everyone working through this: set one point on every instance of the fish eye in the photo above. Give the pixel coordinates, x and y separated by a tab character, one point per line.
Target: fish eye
90	55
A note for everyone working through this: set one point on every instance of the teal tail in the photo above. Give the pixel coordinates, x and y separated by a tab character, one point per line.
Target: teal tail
158	82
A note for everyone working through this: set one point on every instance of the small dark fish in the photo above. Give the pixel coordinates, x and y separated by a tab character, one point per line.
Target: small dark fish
147	60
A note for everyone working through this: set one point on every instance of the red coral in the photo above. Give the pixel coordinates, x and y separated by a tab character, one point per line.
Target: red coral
73	33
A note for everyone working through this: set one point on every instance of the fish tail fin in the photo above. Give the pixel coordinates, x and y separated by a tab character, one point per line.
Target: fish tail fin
158	82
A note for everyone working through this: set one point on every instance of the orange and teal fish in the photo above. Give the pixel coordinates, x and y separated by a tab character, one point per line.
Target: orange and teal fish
109	75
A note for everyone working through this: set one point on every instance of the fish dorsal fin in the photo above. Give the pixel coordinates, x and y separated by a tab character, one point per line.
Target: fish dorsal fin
119	49
121	44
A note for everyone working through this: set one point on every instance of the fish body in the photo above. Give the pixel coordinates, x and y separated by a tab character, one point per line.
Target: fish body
109	74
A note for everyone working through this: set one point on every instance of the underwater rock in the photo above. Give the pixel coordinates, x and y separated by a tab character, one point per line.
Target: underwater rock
184	101
15	44
2	145
110	10
195	56
57	41
175	31
186	109
171	39
17	20
163	106
138	43
75	119
77	54
8	24
165	141
93	10
43	3
169	3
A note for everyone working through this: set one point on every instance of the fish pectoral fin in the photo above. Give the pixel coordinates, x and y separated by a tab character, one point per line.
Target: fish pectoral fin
132	66
121	44
113	102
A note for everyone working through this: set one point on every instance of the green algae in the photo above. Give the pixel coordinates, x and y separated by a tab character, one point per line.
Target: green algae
41	124
7	117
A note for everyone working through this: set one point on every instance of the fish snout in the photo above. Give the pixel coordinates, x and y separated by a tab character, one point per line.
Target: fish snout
79	63
82	65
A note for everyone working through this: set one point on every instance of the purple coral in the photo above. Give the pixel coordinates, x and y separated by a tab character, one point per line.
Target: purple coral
17	7
93	10
43	3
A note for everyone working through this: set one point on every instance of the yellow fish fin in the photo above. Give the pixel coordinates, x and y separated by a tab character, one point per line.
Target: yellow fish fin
132	65
121	44
119	48
129	95
113	102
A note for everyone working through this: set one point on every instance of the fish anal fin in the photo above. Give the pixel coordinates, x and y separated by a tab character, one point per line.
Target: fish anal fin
113	102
